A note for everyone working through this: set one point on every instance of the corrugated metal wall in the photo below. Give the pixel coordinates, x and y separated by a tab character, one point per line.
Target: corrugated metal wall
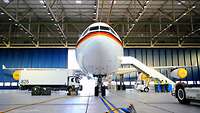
32	58
169	57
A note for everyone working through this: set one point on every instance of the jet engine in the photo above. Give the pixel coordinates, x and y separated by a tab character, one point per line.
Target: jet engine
179	73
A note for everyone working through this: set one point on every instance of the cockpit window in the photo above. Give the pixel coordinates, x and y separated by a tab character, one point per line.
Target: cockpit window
85	32
112	31
94	28
104	28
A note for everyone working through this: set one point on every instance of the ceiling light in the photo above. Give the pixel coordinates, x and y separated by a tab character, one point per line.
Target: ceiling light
52	19
44	6
95	6
41	1
94	13
9	19
16	24
2	13
193	6
179	3
6	1
78	1
147	1
183	1
49	13
113	3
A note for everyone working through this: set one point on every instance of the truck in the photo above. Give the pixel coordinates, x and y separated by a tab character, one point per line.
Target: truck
43	81
187	90
185	93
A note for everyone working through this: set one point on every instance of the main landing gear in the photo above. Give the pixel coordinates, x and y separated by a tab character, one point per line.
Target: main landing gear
100	88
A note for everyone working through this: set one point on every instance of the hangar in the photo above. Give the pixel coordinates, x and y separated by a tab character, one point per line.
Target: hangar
43	34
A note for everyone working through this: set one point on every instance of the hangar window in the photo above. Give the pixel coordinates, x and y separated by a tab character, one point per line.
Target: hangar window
94	28
104	28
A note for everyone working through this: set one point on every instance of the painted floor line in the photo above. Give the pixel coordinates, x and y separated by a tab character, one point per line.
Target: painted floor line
111	108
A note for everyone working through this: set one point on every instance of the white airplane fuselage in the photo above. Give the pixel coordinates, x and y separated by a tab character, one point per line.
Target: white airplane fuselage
99	50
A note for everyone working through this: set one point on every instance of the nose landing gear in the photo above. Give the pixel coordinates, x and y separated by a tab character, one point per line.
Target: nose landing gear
100	88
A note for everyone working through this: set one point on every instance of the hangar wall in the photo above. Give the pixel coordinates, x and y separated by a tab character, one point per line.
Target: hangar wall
169	57
32	58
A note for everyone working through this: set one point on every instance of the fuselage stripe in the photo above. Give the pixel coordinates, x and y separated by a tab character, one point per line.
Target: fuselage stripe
101	34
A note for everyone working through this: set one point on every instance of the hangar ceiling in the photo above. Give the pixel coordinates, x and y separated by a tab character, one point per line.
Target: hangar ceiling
140	23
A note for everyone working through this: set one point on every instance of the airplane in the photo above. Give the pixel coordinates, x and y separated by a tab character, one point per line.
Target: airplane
99	51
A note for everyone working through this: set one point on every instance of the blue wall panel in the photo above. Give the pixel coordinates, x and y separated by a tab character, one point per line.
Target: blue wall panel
170	57
32	58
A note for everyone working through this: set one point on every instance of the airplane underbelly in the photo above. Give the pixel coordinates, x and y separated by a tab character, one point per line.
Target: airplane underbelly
99	55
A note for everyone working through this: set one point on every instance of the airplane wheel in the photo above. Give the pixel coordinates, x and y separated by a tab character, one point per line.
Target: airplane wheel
96	91
146	89
103	91
181	95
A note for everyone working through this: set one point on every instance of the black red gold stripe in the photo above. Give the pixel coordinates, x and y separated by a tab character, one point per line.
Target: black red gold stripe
99	33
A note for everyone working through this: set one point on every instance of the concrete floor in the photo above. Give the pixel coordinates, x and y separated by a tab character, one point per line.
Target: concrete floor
16	101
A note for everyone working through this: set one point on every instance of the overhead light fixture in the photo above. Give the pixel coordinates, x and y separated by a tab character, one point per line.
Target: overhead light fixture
6	1
44	6
78	1
147	1
52	19
114	2
41	1
49	13
9	19
183	1
193	6
94	13
2	13
95	6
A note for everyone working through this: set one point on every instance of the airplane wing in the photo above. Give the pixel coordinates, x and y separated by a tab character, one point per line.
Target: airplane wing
132	69
76	72
125	70
6	68
171	67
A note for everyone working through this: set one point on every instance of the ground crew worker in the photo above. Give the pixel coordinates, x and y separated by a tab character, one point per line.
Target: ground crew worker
156	85
162	86
166	86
